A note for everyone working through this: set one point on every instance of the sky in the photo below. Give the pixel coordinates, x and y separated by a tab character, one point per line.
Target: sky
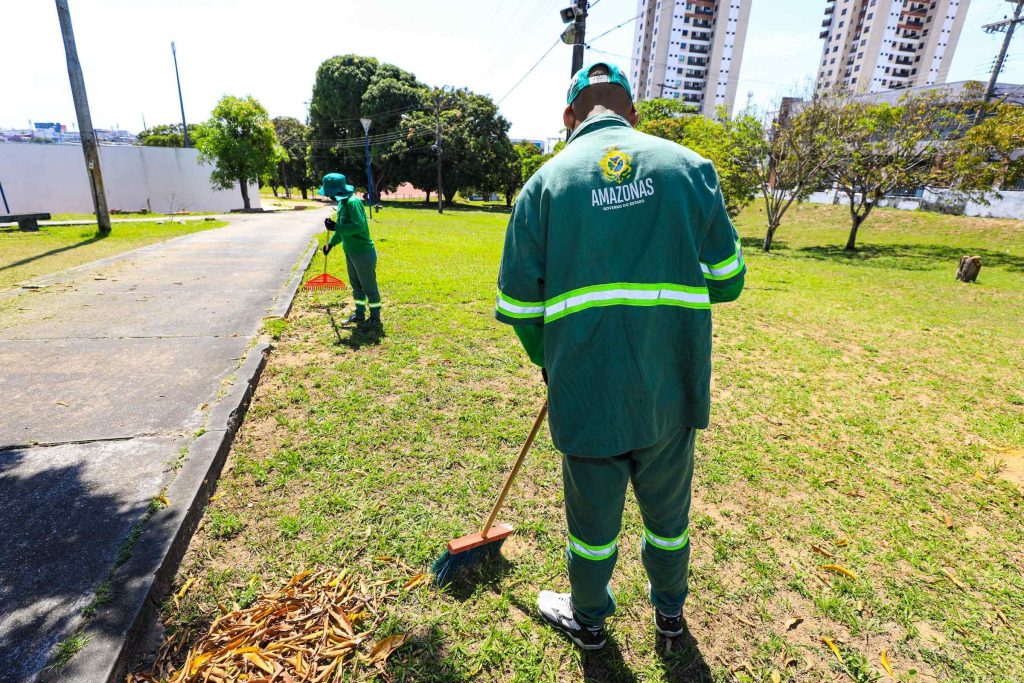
271	49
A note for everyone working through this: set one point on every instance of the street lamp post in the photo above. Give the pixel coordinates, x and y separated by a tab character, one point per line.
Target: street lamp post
181	102
369	168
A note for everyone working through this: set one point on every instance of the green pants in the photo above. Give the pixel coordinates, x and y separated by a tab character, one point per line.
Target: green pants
362	273
595	493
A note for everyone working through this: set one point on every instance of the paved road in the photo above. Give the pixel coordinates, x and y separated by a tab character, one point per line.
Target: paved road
105	375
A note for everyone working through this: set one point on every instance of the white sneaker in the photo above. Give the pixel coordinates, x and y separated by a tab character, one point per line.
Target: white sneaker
556	609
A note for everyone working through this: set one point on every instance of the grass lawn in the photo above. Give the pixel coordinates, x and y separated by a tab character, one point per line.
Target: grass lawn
868	413
25	255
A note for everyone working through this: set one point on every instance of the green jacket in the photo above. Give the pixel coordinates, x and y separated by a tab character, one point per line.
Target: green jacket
351	229
614	253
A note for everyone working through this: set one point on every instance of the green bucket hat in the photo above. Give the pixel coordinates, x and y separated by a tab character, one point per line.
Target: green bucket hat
335	185
583	80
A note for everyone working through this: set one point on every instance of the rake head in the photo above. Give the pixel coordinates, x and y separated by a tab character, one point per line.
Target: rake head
325	281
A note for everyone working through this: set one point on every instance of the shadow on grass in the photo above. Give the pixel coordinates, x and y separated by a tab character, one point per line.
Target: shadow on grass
359	337
454	208
53	252
422	658
910	256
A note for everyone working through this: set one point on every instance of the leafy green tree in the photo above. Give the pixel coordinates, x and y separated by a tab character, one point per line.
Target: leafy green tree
475	145
532	164
788	158
879	148
723	144
513	175
350	87
166	135
990	153
239	140
293	136
663	108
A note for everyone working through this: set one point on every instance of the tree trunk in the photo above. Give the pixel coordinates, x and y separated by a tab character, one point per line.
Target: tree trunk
851	242
969	268
769	235
305	195
245	193
273	188
449	198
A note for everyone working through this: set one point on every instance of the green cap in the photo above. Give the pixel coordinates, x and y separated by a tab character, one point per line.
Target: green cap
583	79
335	185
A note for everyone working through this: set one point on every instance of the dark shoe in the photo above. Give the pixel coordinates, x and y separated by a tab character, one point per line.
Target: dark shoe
371	325
670	627
355	319
556	609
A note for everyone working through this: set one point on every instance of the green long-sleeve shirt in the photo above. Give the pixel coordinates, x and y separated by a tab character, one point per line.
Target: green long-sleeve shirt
614	253
351	229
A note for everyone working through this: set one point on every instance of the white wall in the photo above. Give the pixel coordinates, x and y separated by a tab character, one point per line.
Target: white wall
1011	205
52	178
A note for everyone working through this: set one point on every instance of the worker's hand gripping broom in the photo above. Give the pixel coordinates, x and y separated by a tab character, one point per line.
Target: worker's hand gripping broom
468	551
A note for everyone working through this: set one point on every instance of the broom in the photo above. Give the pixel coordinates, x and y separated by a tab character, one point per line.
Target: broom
468	551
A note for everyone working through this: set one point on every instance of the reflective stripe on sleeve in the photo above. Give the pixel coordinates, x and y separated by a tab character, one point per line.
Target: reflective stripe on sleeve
727	268
592	552
514	308
677	543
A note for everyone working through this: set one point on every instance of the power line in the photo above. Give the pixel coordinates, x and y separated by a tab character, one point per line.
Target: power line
530	71
615	28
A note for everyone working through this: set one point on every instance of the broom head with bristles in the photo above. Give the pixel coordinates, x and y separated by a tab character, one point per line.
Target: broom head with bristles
325	281
465	553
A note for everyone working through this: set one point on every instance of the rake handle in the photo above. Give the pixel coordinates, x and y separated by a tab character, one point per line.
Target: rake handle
510	477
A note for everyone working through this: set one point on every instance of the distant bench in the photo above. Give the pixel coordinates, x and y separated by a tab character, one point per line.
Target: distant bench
25	221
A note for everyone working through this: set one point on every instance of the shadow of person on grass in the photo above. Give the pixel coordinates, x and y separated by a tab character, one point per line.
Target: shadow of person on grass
359	337
911	256
421	658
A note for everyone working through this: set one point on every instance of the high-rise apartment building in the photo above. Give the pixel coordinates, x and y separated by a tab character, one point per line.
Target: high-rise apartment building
689	50
876	45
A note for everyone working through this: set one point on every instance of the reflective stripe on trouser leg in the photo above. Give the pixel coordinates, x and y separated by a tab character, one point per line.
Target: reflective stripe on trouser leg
595	492
662	477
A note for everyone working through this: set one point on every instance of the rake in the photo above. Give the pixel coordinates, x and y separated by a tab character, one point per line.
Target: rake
325	280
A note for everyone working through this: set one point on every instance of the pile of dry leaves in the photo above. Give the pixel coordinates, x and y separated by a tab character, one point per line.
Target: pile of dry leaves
309	631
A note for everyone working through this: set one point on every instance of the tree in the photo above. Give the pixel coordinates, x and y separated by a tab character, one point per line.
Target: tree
474	141
166	135
351	87
879	148
663	108
990	153
513	173
293	136
723	144
239	140
788	158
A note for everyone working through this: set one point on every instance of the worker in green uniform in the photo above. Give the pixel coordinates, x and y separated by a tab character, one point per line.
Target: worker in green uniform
350	229
614	254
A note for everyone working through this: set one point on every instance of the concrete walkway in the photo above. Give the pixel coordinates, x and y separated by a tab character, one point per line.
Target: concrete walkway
118	383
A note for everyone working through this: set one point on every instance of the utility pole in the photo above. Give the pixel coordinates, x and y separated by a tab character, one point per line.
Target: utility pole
181	102
575	34
438	101
89	147
369	169
1007	25
580	35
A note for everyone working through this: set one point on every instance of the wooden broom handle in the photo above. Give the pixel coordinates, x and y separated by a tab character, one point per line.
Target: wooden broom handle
515	467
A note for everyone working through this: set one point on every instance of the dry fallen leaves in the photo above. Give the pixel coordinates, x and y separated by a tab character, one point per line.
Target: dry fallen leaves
835	649
821	551
947	520
306	631
886	664
838	569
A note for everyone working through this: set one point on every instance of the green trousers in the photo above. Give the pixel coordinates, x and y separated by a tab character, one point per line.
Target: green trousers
362	274
595	494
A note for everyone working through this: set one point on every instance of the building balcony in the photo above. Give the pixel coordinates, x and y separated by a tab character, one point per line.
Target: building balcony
905	61
693	73
823	34
901	73
826	23
907	47
699	49
830	10
697	61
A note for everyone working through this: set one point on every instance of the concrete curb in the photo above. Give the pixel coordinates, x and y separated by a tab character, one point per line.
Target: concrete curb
116	633
117	629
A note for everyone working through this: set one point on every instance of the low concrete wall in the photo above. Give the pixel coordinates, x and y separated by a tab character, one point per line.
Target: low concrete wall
1010	205
52	178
